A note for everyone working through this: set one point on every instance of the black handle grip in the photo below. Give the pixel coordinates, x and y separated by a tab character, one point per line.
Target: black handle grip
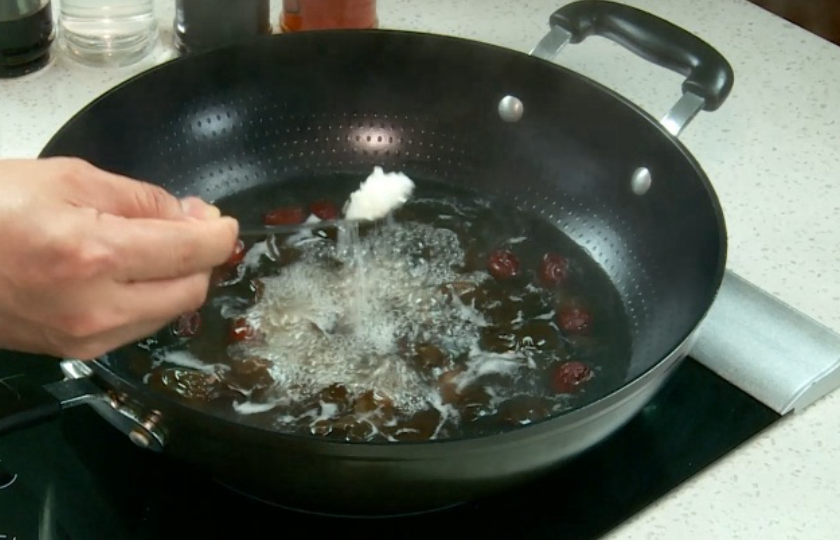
23	404
707	72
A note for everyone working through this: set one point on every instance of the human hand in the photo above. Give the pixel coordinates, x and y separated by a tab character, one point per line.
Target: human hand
92	261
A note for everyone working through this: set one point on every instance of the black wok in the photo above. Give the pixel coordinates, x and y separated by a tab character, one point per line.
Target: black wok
516	126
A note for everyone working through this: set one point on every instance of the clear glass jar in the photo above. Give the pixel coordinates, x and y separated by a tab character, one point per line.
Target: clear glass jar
299	15
108	32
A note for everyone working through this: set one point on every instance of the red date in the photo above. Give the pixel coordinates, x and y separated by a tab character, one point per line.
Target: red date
569	376
242	330
554	269
503	264
238	253
285	215
575	320
187	325
324	210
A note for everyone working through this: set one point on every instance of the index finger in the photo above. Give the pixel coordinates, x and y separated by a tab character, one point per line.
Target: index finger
112	193
152	249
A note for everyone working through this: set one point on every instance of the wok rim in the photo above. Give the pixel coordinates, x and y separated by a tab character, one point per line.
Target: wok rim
370	448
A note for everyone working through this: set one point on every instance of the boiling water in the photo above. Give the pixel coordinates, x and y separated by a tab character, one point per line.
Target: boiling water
395	331
332	319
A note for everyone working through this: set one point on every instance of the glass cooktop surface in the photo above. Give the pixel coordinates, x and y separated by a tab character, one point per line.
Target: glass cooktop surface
77	478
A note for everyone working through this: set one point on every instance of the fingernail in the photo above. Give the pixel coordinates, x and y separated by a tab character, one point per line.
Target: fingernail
188	205
232	222
211	212
198	209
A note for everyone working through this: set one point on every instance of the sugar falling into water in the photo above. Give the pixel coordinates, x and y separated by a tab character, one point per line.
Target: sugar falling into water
339	319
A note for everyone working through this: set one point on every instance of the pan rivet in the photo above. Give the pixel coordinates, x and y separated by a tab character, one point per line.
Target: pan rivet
640	181
140	438
511	109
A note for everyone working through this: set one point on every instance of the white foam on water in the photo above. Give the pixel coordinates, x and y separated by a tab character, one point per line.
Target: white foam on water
482	363
184	358
304	235
255	254
248	407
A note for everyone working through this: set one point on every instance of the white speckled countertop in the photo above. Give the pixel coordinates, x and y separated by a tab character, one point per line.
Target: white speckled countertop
773	154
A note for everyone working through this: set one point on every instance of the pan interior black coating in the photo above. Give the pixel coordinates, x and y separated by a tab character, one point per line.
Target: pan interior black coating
340	103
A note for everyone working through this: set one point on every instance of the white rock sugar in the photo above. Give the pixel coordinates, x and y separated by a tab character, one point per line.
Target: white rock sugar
378	195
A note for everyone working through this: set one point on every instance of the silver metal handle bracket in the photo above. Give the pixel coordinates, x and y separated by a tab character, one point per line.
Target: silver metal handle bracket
677	119
682	113
551	44
142	427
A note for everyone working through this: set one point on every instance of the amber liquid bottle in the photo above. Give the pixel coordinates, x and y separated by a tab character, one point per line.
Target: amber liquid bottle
301	15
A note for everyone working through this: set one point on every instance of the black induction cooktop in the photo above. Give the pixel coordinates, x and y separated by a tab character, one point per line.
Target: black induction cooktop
77	478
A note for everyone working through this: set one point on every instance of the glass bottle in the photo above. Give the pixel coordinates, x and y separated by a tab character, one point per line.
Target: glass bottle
26	36
299	15
206	24
108	32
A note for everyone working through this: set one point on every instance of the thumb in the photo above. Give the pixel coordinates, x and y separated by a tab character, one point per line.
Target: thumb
198	209
122	196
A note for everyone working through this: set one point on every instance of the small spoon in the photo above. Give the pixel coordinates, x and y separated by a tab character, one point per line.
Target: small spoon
291	229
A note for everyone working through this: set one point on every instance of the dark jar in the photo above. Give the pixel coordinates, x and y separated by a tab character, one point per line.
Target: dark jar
27	32
202	25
